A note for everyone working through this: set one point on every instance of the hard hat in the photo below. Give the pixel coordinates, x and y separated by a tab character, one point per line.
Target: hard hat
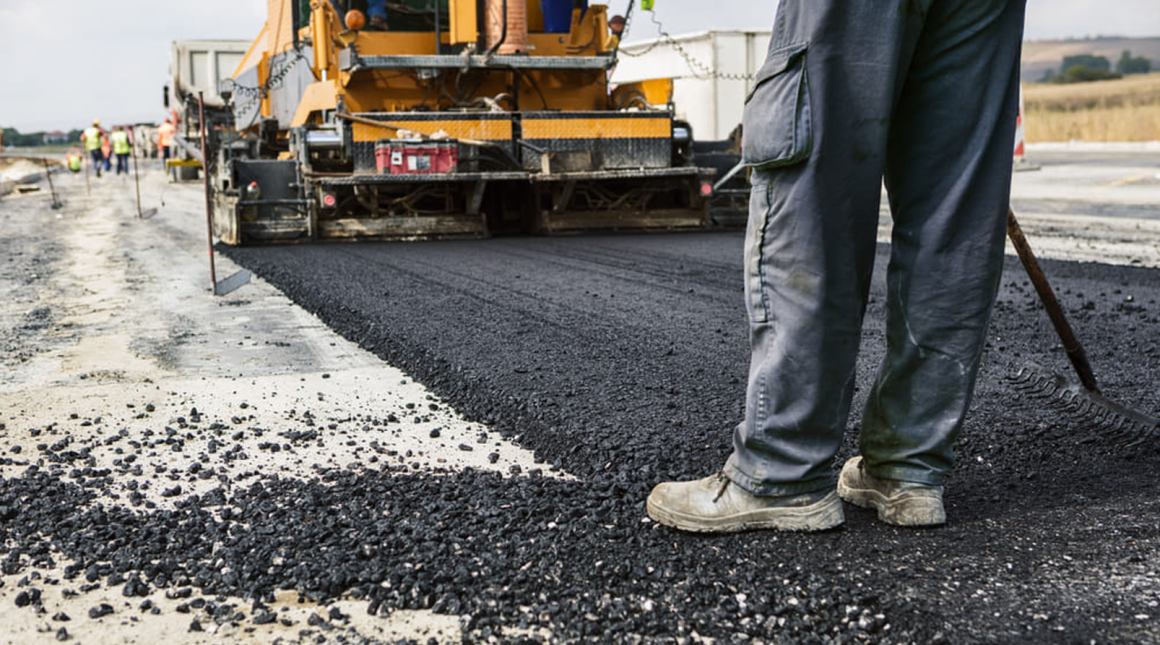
96	122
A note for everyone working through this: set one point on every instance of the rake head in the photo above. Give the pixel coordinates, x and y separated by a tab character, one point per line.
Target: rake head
1086	405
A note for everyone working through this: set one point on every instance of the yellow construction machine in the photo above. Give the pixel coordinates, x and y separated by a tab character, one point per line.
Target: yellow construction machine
461	118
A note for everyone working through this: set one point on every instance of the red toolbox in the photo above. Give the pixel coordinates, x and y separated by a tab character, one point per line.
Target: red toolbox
414	157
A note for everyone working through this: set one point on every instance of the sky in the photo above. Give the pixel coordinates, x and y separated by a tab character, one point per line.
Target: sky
65	62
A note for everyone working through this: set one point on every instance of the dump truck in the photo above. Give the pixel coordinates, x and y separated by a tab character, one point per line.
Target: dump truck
196	69
462	118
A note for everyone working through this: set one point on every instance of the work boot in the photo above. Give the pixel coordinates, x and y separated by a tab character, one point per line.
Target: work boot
376	23
898	502
717	505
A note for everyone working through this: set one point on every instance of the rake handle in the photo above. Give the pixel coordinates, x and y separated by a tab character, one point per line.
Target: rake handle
1071	344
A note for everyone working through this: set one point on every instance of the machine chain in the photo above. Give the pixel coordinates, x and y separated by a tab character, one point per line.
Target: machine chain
256	92
699	69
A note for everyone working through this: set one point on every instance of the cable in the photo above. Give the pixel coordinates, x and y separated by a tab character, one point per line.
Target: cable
631	97
535	86
699	69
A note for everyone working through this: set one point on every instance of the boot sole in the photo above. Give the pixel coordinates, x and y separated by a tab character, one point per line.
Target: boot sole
824	514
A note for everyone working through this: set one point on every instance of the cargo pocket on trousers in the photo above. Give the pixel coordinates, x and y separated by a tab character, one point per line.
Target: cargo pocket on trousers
776	127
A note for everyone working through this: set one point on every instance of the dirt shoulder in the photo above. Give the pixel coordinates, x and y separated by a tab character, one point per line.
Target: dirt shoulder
124	376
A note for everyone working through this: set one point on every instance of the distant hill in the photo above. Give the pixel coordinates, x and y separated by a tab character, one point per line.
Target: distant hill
1042	55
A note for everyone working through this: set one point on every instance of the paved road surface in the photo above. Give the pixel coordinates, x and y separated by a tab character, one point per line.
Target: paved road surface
1094	183
617	360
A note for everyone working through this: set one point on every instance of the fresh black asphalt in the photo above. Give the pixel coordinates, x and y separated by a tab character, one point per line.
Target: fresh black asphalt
621	359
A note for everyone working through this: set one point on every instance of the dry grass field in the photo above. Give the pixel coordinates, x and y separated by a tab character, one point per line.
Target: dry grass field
1127	109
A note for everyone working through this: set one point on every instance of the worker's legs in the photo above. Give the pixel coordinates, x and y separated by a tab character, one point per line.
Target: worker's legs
123	163
810	245
948	173
98	160
376	15
376	11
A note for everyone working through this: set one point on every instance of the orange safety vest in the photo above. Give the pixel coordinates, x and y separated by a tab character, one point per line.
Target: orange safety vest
165	134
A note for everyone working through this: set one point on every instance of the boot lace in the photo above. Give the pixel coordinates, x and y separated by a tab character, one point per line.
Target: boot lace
724	481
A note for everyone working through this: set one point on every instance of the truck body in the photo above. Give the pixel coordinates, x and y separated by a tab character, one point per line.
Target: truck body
201	66
197	68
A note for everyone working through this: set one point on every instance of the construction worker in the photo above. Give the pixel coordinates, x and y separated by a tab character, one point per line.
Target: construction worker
75	160
91	137
165	134
107	151
923	94
121	148
376	13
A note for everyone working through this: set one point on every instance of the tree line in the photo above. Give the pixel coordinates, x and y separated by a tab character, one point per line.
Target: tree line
14	138
1082	68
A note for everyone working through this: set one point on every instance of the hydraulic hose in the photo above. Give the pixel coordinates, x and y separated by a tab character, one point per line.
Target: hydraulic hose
502	34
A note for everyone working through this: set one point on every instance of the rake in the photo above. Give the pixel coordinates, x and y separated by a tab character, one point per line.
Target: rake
1082	400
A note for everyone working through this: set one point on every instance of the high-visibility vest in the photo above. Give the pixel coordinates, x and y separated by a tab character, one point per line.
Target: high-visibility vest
165	134
92	138
121	142
74	162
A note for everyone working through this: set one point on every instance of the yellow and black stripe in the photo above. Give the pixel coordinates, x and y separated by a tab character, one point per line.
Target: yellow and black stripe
580	141
573	141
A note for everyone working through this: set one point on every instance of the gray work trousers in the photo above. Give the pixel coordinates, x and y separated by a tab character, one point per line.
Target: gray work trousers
922	94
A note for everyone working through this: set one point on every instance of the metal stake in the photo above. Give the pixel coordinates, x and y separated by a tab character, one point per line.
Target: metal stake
137	180
56	203
240	277
208	197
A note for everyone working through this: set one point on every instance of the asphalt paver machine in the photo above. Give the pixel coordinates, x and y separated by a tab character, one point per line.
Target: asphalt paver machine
460	118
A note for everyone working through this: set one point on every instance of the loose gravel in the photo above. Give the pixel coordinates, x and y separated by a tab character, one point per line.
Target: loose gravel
622	360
